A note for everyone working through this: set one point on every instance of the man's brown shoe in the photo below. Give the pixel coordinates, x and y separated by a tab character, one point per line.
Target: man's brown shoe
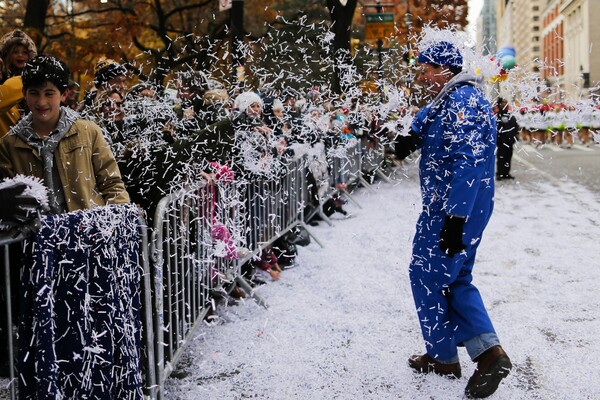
426	364
492	366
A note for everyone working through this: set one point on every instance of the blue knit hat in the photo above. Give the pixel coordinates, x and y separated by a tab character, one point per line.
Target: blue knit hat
442	53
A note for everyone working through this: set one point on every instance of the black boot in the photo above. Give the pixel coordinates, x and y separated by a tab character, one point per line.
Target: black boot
492	366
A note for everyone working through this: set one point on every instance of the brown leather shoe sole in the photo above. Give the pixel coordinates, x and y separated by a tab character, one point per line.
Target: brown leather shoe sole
426	364
489	374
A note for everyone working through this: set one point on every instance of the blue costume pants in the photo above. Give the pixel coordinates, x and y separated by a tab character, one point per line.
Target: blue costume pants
450	309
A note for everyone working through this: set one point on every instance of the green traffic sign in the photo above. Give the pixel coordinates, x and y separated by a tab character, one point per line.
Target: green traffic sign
379	18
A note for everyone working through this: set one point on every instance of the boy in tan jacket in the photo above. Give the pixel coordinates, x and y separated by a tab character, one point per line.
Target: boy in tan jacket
52	143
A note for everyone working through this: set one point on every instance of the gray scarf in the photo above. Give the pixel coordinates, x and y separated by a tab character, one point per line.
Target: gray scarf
45	148
459	79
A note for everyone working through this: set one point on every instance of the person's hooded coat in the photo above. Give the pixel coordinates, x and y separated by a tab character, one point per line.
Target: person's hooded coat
458	134
11	93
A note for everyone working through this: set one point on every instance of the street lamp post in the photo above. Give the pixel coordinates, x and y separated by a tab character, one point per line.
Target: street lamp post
408	20
237	41
379	10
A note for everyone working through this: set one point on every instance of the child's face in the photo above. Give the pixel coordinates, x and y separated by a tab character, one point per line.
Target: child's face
118	82
112	108
254	110
278	112
44	104
17	57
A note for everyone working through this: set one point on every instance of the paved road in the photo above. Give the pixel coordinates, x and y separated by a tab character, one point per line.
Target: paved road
580	164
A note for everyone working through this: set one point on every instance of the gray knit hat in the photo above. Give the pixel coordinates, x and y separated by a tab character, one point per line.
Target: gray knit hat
14	38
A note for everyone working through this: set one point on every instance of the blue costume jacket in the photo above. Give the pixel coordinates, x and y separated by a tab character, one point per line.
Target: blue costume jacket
458	141
458	135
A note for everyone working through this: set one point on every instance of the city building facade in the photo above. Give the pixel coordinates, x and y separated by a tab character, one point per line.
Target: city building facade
518	25
486	28
581	54
557	39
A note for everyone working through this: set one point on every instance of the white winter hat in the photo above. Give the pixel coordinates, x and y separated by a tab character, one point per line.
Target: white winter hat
277	105
245	100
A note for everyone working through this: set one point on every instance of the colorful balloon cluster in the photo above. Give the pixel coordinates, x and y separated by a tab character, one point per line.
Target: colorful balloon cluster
506	55
506	61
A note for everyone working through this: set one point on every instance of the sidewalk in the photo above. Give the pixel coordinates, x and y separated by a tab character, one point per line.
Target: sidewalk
342	324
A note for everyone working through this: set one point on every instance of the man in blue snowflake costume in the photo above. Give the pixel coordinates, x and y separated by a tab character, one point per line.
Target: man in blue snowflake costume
456	132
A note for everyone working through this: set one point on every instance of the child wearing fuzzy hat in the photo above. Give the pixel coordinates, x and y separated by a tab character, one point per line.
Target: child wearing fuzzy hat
109	73
248	113
249	103
16	48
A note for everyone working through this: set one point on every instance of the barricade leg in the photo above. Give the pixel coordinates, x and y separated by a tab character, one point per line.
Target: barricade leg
241	282
9	331
303	224
150	378
383	176
347	195
364	183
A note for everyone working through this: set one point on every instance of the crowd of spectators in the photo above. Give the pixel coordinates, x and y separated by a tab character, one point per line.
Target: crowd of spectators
126	140
162	137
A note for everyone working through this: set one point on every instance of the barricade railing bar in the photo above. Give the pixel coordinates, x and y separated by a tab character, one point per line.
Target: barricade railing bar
149	362
183	268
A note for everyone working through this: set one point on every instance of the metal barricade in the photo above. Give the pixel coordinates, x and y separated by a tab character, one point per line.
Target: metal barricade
274	205
186	272
347	164
346	171
373	158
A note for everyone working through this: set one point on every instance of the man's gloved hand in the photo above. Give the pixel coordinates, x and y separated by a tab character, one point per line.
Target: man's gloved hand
406	145
16	207
451	235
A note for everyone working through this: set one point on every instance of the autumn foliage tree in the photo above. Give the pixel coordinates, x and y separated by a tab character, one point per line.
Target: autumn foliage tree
438	13
157	37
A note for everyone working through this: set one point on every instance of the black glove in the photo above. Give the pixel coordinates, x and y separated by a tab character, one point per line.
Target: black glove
406	145
17	208
451	235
